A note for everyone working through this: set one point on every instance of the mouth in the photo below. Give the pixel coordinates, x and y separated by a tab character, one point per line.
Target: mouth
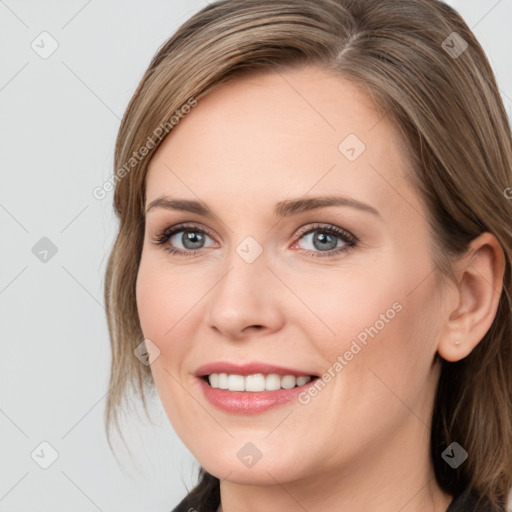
256	382
252	387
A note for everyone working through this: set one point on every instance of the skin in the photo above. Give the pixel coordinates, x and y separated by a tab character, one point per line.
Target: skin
361	444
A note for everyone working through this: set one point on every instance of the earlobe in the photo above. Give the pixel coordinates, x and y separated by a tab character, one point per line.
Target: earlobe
480	282
455	350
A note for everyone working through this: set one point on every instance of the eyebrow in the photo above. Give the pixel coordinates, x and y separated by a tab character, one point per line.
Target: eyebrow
282	209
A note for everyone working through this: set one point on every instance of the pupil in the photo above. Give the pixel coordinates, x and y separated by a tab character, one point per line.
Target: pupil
322	238
194	238
325	240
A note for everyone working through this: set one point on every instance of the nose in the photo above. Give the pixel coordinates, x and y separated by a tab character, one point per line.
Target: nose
246	301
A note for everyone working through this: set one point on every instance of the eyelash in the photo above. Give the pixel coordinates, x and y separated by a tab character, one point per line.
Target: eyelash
350	240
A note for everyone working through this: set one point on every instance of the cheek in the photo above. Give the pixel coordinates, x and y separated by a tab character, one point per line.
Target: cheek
161	306
149	297
347	305
392	368
162	299
382	324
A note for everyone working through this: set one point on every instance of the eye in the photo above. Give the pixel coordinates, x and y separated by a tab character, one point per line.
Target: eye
323	240
191	238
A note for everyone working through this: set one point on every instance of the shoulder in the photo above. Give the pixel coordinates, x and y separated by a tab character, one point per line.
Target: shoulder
193	504
470	501
204	497
185	505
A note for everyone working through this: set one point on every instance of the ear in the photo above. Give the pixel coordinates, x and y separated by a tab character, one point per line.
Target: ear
476	297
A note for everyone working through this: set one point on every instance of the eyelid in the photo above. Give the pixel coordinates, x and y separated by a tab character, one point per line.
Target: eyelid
162	237
183	226
300	232
319	226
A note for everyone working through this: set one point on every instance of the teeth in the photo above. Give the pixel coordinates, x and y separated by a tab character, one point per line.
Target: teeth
255	382
302	380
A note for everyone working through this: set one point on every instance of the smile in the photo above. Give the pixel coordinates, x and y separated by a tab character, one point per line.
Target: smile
256	382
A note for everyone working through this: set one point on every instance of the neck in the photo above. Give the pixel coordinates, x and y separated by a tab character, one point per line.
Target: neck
398	477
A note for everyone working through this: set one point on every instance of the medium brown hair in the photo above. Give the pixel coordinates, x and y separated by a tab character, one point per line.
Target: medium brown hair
450	115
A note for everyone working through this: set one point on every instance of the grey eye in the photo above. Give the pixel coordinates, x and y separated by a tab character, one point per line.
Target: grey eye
321	241
190	239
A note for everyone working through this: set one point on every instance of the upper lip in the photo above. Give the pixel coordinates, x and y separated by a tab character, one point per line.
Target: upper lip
247	369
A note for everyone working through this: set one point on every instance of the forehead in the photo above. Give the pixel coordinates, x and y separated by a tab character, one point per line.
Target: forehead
282	134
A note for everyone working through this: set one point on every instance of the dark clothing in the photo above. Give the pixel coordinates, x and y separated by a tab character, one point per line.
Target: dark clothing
466	502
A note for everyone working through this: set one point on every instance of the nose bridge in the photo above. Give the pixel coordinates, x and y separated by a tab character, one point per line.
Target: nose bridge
245	296
247	268
247	273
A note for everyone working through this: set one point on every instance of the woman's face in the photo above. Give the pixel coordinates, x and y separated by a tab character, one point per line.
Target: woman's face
341	292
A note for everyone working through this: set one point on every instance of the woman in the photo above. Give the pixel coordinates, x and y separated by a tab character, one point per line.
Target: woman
314	249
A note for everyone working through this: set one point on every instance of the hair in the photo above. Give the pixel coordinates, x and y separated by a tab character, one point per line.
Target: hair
454	127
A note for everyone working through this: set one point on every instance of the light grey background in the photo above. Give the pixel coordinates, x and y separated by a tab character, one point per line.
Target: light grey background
59	118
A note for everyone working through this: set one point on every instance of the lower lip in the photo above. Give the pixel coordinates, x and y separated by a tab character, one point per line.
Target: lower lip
250	402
